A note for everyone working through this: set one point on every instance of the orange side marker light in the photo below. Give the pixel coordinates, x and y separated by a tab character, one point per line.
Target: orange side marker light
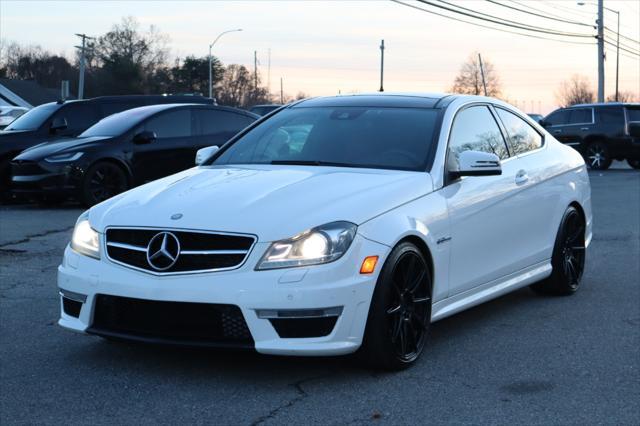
369	265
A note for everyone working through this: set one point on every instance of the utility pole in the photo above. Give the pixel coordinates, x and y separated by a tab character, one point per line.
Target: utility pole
269	73
617	56
82	48
484	84
382	66
281	93
600	51
255	70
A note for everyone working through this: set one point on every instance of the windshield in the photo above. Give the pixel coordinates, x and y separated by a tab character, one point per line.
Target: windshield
34	118
116	124
385	138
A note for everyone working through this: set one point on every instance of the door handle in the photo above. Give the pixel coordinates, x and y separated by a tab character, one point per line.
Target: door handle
522	177
584	128
557	131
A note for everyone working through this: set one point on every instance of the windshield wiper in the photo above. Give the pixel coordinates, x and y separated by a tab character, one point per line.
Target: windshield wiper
310	163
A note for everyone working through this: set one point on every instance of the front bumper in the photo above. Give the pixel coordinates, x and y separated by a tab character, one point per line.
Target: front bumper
30	177
337	284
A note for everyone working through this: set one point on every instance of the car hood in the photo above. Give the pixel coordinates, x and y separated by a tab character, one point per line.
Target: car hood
58	146
272	202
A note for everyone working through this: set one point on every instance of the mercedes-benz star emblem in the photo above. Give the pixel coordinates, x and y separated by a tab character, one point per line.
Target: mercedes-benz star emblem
176	216
163	251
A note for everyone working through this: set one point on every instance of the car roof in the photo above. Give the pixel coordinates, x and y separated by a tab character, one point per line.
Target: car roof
144	112
379	99
605	104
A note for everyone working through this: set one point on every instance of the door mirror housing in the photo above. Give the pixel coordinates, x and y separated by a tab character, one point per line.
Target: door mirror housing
58	123
204	154
543	123
477	163
634	129
144	138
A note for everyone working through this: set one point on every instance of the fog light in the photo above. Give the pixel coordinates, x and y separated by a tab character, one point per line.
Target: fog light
299	313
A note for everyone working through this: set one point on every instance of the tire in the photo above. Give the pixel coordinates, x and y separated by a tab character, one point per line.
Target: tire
634	163
103	180
597	156
568	257
400	311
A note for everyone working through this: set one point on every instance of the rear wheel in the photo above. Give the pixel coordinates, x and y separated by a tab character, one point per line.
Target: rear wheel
568	257
103	180
634	163
400	312
598	156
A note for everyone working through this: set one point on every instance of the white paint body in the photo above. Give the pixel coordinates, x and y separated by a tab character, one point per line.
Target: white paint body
502	231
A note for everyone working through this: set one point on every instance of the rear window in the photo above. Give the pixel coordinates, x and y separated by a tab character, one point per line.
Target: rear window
611	116
633	114
581	116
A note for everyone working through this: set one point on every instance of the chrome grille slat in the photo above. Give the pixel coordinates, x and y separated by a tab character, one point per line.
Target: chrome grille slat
200	251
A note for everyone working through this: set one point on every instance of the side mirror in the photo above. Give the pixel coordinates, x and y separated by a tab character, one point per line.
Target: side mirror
543	123
634	129
58	123
144	138
204	154
477	163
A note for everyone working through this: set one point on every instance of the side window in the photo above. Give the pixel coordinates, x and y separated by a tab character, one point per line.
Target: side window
212	122
79	117
475	129
633	114
581	116
522	137
557	118
172	124
613	116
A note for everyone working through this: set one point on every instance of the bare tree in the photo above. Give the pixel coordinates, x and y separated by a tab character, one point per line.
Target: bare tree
623	97
469	79
576	90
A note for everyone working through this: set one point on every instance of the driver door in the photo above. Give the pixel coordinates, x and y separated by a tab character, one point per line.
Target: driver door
484	211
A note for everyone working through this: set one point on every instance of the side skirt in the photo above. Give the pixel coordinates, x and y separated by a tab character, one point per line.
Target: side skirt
491	290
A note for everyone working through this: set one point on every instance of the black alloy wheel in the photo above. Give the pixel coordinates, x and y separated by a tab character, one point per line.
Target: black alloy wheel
102	181
598	157
634	163
400	312
568	257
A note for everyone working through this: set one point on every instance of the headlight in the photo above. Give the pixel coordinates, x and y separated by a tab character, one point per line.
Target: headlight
63	158
85	239
322	244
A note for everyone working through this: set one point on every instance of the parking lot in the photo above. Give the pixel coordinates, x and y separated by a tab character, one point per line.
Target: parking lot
522	359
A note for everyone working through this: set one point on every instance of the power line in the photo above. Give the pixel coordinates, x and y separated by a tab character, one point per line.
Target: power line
491	28
567	10
502	21
621	35
622	49
541	15
546	12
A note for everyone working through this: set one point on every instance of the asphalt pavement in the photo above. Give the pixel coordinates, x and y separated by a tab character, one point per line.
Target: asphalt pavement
521	359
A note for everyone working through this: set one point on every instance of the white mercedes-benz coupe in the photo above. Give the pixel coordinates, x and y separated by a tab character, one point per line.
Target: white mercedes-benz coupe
335	225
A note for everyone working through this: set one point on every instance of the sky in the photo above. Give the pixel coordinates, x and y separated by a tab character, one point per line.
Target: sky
329	47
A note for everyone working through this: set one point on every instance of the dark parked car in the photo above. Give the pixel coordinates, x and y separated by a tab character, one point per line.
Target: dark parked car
264	109
601	132
67	119
537	117
124	150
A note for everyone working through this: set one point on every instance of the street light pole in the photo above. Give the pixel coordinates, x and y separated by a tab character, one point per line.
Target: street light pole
601	8
211	59
600	51
82	48
382	66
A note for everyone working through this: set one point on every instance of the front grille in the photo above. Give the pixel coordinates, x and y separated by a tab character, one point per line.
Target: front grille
187	251
26	168
170	322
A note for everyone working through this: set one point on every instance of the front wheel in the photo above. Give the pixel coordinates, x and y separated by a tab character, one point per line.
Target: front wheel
400	311
634	163
598	156
568	257
103	180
